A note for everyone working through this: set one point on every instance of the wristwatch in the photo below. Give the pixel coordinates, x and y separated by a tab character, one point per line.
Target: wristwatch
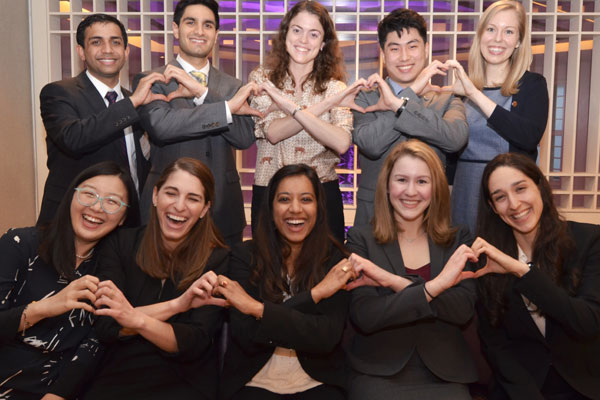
402	107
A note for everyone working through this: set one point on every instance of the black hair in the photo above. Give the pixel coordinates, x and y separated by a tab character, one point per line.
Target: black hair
57	244
401	19
98	18
181	6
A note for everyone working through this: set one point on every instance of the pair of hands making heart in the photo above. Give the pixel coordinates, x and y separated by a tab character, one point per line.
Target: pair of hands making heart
453	272
189	87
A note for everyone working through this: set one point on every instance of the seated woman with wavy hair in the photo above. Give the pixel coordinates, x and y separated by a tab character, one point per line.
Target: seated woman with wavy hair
48	348
410	300
540	313
287	310
158	315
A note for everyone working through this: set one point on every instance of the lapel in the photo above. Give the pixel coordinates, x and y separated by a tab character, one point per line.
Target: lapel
394	256
90	93
436	258
214	82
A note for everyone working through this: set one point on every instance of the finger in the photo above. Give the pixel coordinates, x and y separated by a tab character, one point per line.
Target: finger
214	301
203	294
157	96
86	294
107	283
374	107
355	107
84	306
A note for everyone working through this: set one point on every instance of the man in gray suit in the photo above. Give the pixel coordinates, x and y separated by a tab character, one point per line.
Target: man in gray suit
206	113
404	106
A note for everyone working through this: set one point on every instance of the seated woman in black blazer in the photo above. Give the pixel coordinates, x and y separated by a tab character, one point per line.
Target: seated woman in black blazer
540	313
410	300
288	312
154	298
48	348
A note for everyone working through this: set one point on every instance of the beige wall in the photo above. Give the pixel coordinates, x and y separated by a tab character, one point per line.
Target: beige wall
17	167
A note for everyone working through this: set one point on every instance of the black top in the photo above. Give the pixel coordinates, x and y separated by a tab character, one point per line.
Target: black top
313	330
134	367
56	354
518	353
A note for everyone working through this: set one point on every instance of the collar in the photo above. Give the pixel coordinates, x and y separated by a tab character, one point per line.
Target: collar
102	88
396	88
187	67
522	256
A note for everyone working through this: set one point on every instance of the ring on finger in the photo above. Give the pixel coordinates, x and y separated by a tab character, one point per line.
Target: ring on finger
223	283
345	268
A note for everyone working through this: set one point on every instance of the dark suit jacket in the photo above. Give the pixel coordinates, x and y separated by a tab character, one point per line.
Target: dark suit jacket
437	119
196	330
520	356
391	326
82	131
179	128
313	330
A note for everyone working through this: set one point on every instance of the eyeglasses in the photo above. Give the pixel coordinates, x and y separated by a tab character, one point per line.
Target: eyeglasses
110	204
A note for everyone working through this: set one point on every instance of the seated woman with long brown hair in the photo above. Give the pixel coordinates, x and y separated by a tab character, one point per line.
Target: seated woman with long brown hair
287	310
158	315
410	300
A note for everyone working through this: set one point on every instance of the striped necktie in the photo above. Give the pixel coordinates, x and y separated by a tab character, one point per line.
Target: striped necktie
199	76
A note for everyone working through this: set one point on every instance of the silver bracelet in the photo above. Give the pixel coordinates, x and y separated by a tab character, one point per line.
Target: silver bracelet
295	111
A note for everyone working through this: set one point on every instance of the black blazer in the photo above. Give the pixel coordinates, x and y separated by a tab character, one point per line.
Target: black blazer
195	330
313	330
82	131
518	353
390	326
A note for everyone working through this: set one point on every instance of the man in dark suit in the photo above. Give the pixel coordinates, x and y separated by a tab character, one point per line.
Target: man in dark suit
204	115
91	118
404	106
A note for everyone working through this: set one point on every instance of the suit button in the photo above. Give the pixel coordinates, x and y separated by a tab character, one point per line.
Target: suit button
207	154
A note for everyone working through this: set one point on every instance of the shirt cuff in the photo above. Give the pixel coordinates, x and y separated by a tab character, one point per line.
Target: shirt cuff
228	113
200	100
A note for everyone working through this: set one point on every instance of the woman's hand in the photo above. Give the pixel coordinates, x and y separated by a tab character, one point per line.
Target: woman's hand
279	100
370	274
497	261
237	297
118	307
346	98
71	297
336	279
463	86
52	396
453	273
200	294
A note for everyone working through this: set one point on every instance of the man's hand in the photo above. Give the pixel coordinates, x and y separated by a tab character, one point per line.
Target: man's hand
238	104
387	99
143	93
421	84
189	87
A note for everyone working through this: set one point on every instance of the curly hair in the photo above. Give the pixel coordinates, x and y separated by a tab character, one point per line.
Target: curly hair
552	242
329	63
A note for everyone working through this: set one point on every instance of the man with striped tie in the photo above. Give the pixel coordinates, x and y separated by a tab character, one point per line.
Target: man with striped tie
204	115
90	118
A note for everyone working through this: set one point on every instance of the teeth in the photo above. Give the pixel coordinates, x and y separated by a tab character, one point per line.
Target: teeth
176	218
92	219
521	214
406	68
294	221
495	50
410	202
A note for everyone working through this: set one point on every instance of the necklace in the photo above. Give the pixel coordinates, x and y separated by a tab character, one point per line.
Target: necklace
85	256
410	241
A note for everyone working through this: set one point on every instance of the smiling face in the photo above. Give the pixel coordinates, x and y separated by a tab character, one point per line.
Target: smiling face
104	53
180	203
197	33
410	189
405	57
92	223
304	39
500	38
517	200
295	209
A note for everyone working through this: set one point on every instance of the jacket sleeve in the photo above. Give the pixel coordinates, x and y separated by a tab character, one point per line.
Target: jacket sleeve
298	323
14	254
578	314
77	132
524	125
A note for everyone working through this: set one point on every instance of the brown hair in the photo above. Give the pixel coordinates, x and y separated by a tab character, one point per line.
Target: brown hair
329	63
520	58
552	242
437	215
186	262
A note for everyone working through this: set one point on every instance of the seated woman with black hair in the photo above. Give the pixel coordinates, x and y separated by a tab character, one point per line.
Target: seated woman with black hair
287	310
540	289
48	284
157	313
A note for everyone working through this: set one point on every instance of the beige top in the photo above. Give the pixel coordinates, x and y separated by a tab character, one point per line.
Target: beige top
302	147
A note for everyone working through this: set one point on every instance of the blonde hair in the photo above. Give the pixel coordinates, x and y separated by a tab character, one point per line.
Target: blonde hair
521	58
437	216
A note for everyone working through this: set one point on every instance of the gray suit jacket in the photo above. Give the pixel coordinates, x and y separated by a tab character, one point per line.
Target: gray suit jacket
436	119
390	326
179	128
